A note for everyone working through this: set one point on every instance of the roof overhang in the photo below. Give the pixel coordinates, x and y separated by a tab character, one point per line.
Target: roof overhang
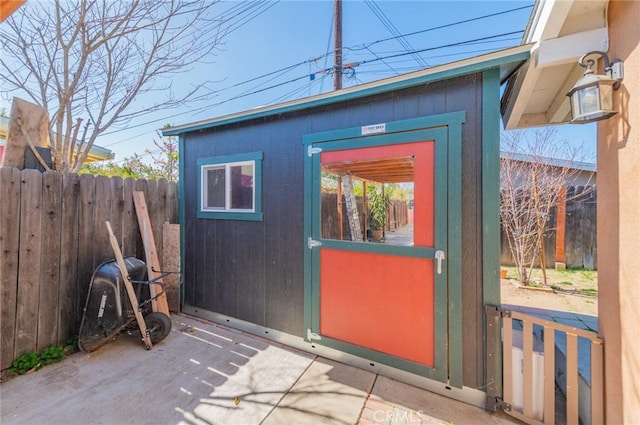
7	7
560	32
96	153
507	60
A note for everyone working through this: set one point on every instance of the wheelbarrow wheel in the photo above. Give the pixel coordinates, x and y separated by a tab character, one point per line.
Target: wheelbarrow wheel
158	326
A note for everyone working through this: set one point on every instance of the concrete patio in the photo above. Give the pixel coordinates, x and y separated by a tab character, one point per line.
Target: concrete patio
204	373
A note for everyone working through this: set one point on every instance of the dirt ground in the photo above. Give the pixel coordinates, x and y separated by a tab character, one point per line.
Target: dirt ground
576	291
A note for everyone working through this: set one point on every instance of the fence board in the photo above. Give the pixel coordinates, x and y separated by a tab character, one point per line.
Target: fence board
117	208
51	240
86	240
397	216
130	231
102	248
68	257
580	231
140	185
171	263
172	203
51	223
10	185
156	219
29	262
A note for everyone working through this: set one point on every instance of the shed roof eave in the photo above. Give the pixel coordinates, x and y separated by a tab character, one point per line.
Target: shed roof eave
560	31
506	60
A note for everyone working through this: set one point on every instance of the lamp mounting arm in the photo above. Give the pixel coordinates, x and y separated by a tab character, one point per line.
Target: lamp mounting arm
614	70
591	62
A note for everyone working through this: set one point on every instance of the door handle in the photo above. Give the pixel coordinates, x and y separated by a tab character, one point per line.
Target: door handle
439	258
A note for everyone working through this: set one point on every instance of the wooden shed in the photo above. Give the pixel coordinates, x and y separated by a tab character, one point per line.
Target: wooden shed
256	256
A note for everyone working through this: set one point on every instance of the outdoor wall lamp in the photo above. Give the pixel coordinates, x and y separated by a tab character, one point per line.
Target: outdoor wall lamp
591	97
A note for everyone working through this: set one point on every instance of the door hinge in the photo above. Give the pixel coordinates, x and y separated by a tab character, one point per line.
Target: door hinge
311	336
495	403
312	243
311	150
505	313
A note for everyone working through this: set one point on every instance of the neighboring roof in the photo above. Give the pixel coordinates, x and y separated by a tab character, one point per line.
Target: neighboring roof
96	153
560	31
507	60
554	162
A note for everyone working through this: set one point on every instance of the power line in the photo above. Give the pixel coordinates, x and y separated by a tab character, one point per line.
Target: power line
325	71
328	49
442	46
382	17
383	61
413	68
465	21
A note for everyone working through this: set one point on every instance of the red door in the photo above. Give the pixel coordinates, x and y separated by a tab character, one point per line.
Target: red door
378	298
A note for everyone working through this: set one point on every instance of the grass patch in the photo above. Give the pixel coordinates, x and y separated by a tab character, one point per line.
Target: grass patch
578	278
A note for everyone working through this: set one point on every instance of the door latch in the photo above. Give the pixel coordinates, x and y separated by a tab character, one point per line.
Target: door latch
312	243
439	258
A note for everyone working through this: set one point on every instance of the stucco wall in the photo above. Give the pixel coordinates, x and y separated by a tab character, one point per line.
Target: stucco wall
619	223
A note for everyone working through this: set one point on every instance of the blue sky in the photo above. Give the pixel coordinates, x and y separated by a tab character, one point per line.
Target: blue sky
287	33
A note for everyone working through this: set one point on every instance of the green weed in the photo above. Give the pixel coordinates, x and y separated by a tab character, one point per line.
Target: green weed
52	354
25	363
31	360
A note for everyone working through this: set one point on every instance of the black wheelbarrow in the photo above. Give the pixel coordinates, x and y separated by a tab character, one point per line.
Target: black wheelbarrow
109	309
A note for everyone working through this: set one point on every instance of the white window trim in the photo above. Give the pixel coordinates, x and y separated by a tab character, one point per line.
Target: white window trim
227	190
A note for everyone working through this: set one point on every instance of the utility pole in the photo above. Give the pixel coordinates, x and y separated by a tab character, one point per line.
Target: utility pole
337	52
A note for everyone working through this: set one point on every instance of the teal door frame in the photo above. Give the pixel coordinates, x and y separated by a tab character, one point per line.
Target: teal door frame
446	131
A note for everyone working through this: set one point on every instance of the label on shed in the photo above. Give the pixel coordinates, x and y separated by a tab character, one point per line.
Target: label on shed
373	129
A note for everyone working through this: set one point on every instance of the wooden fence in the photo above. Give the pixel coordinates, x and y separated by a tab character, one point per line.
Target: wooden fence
398	216
52	238
579	232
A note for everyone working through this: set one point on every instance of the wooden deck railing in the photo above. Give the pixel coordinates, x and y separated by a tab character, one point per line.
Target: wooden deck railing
548	340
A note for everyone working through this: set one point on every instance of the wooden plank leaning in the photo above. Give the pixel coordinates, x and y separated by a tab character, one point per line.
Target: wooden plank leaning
127	284
159	296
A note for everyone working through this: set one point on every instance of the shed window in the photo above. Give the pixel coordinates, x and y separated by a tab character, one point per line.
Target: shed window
230	187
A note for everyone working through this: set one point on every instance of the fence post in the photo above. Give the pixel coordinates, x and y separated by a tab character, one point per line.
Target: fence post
493	358
561	214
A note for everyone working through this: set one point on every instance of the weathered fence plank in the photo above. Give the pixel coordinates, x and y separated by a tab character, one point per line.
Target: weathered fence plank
86	242
153	204
171	215
68	257
29	261
102	248
140	185
580	231
52	238
397	216
50	259
117	211
130	230
580	249
10	185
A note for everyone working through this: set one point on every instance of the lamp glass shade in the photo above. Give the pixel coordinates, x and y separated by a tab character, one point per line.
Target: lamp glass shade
591	99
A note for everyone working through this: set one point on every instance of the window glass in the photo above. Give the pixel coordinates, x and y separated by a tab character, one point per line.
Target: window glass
242	186
215	188
376	199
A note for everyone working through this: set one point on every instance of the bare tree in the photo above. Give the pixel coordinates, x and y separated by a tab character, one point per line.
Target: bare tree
534	168
104	62
163	163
